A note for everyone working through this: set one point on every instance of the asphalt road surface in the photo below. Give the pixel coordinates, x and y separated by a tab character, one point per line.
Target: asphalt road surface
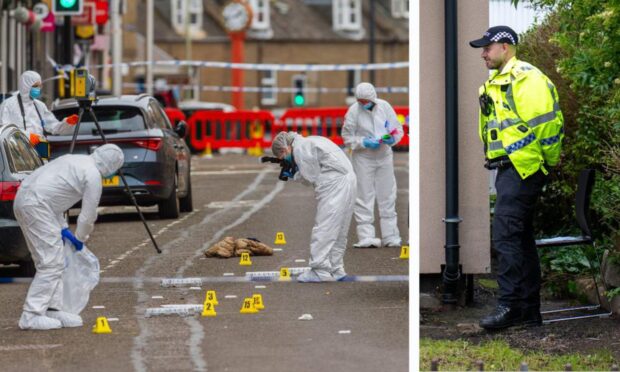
360	325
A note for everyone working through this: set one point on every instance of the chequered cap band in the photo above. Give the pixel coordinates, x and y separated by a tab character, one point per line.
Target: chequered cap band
503	35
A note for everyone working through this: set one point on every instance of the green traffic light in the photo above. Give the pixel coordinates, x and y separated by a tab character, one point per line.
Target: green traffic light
299	100
67	3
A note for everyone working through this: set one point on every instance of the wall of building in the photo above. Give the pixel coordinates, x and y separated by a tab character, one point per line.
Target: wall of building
473	178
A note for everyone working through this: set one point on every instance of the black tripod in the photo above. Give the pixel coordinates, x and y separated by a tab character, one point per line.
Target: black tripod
87	105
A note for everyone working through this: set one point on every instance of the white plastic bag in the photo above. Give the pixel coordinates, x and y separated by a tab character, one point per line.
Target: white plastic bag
79	278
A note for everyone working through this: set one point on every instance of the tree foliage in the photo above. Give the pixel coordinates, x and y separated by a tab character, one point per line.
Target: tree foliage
578	46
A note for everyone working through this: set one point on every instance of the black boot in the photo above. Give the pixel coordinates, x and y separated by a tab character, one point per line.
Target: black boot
530	317
502	317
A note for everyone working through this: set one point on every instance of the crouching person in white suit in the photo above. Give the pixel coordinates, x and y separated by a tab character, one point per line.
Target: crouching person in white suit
326	167
39	205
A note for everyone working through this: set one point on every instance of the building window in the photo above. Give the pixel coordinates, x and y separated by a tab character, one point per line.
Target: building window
183	8
400	8
260	11
347	15
269	80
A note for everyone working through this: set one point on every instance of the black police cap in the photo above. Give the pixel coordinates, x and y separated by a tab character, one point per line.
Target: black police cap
496	34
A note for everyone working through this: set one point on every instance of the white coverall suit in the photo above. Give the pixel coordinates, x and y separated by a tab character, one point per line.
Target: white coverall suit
39	205
324	165
10	112
374	167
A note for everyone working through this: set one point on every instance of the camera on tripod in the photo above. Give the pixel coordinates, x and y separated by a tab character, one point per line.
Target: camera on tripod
84	85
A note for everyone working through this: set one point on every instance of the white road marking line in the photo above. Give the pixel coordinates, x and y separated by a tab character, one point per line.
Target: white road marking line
146	241
138	353
29	347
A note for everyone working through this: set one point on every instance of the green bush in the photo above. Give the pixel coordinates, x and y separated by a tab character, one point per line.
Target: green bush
578	46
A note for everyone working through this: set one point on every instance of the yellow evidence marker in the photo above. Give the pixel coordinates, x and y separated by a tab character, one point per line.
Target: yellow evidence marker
245	260
280	239
404	252
248	306
211	297
285	274
102	326
208	309
258	301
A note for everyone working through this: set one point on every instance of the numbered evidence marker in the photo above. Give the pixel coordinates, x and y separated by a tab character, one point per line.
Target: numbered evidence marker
208	309
258	301
245	259
280	239
285	274
404	252
102	326
211	297
248	306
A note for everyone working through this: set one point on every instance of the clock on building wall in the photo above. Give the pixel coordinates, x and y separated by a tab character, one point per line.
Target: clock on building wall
237	16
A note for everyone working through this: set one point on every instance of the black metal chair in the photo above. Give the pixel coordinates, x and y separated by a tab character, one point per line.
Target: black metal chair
582	209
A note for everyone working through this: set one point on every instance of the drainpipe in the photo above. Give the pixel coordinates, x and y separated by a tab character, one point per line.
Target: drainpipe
451	273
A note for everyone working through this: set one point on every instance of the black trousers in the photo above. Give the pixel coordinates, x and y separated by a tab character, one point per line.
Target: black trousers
513	238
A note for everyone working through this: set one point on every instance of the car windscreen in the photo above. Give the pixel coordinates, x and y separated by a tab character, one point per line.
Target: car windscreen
111	119
22	157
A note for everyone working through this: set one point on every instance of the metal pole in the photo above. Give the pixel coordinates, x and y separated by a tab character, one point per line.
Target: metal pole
371	40
11	59
3	51
188	49
117	47
149	47
67	42
451	273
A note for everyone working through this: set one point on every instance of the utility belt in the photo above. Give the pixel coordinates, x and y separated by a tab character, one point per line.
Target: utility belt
498	163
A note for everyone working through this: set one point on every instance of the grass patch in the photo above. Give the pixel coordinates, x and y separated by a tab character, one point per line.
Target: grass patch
497	355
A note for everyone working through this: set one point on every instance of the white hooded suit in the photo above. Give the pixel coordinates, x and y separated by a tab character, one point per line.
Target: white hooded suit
39	205
374	167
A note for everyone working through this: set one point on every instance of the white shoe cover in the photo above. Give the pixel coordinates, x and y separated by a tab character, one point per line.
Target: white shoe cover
392	244
314	276
67	319
40	322
368	243
339	275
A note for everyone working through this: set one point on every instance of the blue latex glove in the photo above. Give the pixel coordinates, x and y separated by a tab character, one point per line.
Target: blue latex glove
389	141
67	234
291	173
370	143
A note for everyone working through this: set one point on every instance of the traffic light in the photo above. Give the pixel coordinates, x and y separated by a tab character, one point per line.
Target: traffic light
299	84
67	7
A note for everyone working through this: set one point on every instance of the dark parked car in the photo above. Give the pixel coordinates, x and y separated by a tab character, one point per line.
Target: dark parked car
157	160
17	160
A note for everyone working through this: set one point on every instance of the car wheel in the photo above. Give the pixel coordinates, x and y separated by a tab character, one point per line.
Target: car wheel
26	269
169	208
186	203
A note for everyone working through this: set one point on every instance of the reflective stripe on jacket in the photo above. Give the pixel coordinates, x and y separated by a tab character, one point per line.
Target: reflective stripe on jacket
525	121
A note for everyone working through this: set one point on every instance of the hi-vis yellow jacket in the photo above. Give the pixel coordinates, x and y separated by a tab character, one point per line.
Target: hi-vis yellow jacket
524	120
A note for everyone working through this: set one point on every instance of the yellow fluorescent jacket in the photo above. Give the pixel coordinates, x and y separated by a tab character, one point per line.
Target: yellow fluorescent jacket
525	122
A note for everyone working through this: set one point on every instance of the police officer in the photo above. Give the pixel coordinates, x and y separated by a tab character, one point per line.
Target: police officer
521	127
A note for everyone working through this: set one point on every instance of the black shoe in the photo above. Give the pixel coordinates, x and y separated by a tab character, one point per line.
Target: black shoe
502	317
531	317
